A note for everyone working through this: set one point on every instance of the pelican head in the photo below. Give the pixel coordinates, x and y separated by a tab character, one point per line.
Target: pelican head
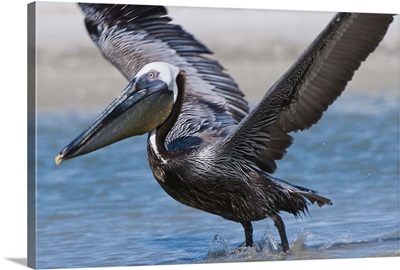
142	106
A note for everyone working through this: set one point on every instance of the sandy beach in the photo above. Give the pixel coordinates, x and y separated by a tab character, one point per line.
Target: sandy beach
255	46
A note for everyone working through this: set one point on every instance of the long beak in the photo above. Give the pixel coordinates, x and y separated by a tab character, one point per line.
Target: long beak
133	112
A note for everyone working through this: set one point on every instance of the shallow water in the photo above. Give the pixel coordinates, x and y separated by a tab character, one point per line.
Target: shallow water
105	208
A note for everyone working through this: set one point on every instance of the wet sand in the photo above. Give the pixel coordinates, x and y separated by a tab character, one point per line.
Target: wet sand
255	46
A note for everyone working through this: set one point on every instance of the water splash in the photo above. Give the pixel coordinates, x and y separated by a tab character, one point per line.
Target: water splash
267	248
219	247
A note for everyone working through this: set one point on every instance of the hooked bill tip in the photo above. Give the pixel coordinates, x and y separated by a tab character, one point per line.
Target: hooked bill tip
58	159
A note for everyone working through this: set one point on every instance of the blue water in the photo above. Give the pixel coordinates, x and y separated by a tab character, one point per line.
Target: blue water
105	208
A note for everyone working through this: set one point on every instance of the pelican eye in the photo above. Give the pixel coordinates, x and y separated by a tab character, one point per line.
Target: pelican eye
152	74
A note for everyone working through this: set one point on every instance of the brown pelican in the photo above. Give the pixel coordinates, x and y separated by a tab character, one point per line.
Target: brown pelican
205	148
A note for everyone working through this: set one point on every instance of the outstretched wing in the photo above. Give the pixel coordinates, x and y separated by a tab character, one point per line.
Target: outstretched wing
130	36
299	98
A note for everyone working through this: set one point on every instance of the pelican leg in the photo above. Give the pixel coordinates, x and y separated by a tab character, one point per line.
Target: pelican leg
248	232
282	232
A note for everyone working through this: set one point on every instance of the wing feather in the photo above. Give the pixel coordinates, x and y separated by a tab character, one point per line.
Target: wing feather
299	98
130	36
